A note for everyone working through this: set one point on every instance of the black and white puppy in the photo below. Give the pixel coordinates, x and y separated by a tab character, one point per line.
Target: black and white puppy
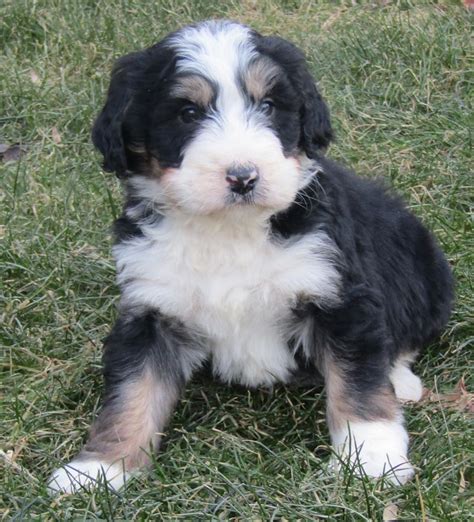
240	244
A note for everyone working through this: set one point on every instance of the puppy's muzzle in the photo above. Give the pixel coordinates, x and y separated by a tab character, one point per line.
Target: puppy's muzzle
242	178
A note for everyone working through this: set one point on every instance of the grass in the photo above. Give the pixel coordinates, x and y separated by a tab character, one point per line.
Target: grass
399	80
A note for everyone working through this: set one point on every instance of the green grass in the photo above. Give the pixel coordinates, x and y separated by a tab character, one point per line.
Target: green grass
400	84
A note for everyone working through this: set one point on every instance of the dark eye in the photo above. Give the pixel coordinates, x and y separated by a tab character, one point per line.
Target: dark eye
190	113
267	107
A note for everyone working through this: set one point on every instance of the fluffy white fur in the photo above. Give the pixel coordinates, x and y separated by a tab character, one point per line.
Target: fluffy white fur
86	474
223	276
378	448
407	385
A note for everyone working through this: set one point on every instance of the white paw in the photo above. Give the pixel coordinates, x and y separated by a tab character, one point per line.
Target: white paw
408	386
86	474
378	448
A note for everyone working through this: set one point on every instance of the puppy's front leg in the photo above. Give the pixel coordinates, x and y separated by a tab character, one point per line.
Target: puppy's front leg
365	420
146	363
364	417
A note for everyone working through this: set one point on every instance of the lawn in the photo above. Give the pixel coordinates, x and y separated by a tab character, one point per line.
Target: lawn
398	78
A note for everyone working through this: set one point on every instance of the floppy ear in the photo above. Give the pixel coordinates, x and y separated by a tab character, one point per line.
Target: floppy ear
316	131
108	131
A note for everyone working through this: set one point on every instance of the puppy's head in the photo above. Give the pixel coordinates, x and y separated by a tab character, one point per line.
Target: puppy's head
213	116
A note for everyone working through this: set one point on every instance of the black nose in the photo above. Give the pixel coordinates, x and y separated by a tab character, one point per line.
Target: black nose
242	178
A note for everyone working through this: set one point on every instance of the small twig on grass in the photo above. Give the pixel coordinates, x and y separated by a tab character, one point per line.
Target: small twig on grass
7	459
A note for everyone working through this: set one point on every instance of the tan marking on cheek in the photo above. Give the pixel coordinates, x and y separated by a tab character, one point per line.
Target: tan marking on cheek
155	170
167	178
260	77
169	171
295	160
194	88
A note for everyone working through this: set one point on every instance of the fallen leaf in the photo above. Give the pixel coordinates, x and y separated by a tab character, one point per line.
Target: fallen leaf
9	459
11	152
56	136
459	399
34	77
390	512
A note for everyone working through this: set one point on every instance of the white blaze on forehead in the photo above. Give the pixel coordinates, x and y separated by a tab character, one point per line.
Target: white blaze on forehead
217	50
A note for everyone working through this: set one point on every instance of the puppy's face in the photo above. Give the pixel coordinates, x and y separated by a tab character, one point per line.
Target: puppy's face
212	117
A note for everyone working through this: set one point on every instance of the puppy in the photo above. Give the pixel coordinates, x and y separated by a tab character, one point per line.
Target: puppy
242	245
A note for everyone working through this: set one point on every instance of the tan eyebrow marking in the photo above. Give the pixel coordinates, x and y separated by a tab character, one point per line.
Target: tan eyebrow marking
260	77
194	88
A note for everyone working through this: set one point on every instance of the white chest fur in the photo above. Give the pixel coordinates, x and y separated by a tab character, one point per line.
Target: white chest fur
230	282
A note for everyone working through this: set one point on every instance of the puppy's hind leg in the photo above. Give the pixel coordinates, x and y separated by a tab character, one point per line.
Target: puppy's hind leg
144	370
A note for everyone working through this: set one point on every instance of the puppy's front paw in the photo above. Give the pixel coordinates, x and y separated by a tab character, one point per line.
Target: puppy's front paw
86	474
375	448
